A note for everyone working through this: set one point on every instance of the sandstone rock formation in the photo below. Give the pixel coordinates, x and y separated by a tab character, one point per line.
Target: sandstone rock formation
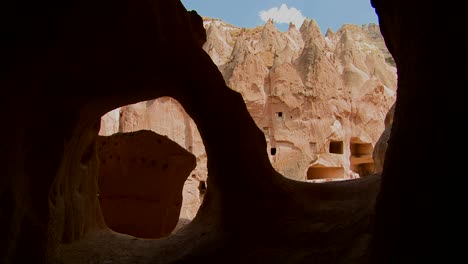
317	98
320	100
66	64
306	91
167	117
382	143
141	176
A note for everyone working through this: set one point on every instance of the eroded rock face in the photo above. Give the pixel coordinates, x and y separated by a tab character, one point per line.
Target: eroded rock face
316	98
166	117
141	176
319	100
382	144
308	92
49	208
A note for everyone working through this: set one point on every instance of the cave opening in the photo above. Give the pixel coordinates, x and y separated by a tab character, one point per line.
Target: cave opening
26	233
202	188
273	151
336	147
361	160
146	153
363	169
325	173
359	149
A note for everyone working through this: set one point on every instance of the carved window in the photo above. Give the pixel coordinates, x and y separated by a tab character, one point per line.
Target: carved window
336	147
273	151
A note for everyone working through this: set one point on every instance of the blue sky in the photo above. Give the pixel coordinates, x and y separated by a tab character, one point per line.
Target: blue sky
251	13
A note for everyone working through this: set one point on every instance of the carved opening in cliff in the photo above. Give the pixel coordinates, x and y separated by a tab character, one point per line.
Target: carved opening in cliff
296	89
361	160
202	188
336	147
321	172
277	74
273	151
363	169
147	151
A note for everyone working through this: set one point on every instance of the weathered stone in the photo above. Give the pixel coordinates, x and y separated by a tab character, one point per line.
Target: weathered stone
167	117
141	176
317	90
381	145
328	90
305	91
66	64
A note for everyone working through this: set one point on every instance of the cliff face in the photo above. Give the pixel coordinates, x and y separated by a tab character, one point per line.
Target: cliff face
320	100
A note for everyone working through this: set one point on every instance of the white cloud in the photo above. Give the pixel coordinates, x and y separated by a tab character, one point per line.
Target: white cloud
283	14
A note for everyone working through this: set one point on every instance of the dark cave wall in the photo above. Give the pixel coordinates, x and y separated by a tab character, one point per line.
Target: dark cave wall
141	177
65	63
404	221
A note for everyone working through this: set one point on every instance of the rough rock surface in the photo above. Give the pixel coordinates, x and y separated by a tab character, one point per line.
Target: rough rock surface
306	91
320	100
309	92
141	176
166	117
381	145
66	64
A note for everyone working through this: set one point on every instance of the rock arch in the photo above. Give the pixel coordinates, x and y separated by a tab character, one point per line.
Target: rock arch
48	152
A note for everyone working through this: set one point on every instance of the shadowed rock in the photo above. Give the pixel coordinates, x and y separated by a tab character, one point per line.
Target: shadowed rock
66	63
141	176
